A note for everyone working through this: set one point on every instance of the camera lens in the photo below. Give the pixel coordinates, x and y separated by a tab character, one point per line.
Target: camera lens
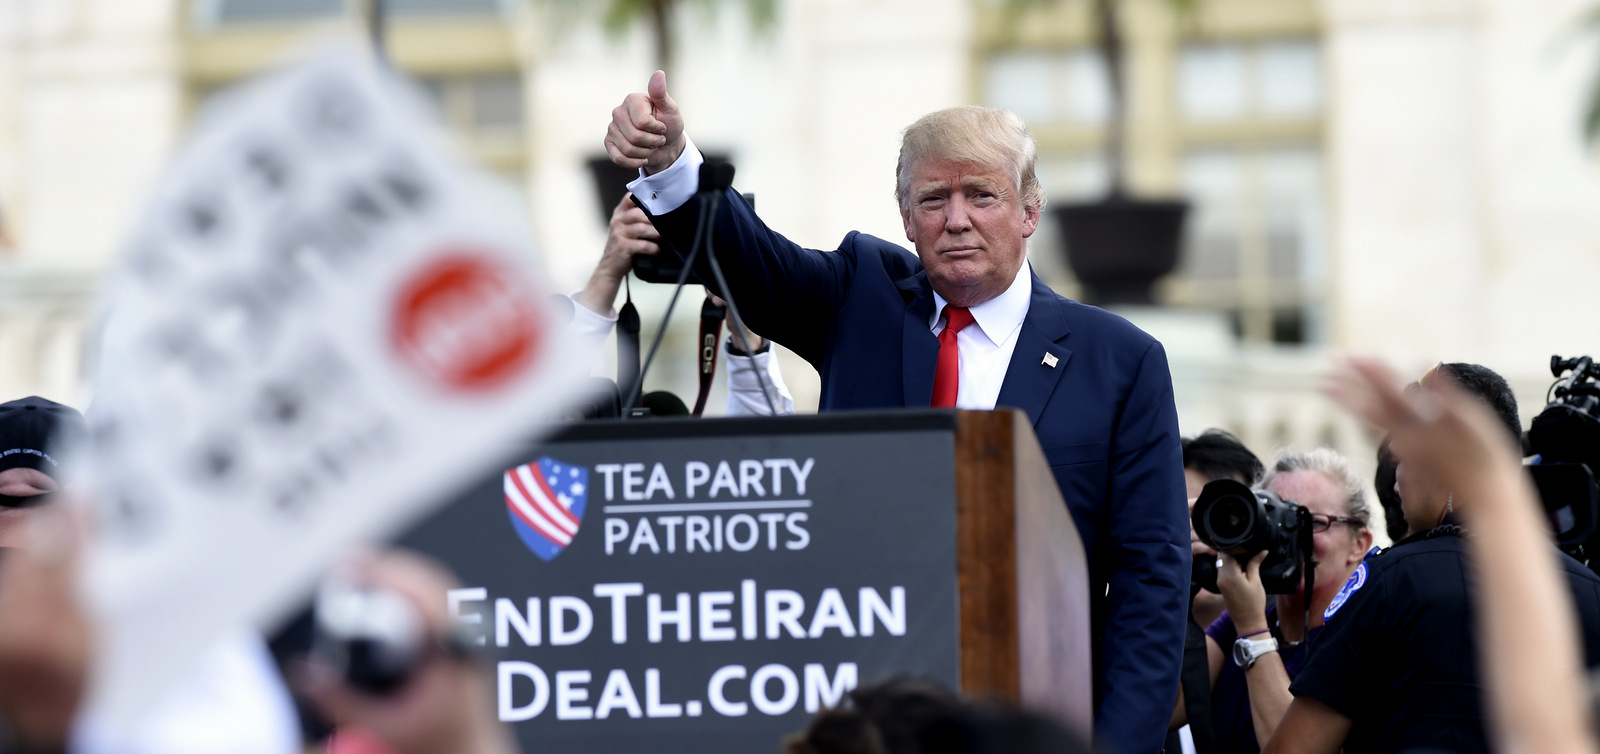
1230	521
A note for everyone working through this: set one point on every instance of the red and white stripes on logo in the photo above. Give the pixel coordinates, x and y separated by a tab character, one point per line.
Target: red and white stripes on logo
536	504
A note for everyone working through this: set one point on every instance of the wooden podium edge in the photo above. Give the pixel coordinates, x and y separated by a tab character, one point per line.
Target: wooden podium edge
986	571
1023	579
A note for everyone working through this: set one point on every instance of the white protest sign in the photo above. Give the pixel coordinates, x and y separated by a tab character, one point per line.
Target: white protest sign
324	321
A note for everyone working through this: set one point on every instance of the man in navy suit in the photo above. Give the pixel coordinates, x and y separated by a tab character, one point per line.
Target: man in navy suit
965	323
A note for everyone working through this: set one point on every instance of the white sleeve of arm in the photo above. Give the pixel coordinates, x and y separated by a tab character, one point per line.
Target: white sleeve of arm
591	329
744	386
671	188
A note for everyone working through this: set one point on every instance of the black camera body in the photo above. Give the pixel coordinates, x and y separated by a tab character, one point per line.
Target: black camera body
1565	442
372	638
665	266
1232	518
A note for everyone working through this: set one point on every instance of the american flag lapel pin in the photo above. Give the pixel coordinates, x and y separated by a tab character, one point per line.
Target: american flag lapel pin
1050	360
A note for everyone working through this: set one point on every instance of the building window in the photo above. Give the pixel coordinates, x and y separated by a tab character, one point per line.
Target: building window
1220	82
479	106
1250	161
1049	87
1256	239
230	12
445	7
1225	109
213	13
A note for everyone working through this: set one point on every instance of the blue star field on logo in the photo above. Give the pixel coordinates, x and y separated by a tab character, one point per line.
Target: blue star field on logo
546	500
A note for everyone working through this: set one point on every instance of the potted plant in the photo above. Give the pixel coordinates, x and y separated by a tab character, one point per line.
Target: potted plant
1119	245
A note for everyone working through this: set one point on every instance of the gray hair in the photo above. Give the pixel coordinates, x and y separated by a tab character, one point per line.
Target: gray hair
1331	464
972	135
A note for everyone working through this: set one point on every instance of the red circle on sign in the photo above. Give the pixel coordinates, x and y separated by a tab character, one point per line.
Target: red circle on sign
466	322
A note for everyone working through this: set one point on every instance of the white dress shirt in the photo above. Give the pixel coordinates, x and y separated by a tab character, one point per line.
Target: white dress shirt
985	345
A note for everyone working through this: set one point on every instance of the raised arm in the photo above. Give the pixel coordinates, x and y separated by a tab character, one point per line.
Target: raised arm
1308	727
630	234
787	293
1267	679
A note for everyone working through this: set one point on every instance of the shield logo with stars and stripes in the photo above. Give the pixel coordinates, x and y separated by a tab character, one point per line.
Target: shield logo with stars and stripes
545	500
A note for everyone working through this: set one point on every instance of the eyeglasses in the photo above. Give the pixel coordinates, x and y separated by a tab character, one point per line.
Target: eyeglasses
1321	523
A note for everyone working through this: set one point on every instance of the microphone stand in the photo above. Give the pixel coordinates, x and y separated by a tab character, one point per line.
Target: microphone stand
715	177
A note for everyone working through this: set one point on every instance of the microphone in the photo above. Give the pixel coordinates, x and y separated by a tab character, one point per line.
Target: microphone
604	400
715	176
663	403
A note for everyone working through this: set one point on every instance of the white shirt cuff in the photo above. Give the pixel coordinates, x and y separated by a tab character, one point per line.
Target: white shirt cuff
671	188
744	386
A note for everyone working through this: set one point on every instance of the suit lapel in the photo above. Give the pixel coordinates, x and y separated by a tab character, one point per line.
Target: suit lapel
1030	379
919	347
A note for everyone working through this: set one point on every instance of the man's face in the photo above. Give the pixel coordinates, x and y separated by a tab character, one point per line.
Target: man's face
969	226
20	482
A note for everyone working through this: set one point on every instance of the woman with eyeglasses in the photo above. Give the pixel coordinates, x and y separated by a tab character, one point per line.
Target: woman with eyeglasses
1258	646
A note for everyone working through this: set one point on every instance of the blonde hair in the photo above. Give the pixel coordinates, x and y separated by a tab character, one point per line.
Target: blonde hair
974	136
1333	465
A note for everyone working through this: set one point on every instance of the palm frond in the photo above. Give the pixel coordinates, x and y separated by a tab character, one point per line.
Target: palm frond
621	15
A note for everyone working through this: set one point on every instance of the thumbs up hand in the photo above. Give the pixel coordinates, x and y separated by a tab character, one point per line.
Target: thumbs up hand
646	129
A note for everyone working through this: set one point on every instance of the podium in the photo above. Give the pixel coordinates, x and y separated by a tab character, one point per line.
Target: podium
696	585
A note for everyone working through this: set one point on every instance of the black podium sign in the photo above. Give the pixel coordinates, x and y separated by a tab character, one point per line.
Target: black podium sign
693	586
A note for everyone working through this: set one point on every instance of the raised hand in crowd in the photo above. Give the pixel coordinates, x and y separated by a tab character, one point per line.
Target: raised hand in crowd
646	129
447	705
629	234
1530	655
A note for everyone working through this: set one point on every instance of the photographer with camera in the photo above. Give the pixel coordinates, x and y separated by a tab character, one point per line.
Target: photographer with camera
630	234
1397	667
1257	646
392	666
1213	454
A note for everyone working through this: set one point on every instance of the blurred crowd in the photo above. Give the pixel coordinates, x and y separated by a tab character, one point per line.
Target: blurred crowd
1394	649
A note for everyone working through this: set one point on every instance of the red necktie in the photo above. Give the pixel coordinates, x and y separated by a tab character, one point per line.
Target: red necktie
947	375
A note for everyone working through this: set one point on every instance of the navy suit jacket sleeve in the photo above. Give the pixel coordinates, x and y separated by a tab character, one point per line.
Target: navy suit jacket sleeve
784	291
1145	562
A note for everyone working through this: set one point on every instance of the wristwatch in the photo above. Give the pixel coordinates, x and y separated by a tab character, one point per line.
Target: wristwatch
1247	651
735	350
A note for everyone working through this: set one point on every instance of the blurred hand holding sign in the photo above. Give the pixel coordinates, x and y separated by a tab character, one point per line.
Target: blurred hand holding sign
324	322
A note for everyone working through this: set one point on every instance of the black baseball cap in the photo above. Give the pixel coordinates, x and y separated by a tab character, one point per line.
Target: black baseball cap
33	433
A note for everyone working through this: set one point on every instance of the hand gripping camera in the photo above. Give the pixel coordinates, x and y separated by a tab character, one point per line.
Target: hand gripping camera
1232	518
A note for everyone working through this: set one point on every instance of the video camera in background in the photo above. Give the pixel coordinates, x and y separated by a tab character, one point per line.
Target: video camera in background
1232	518
1564	442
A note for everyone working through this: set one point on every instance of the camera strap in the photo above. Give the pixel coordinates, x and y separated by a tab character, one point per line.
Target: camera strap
714	177
1196	679
711	317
